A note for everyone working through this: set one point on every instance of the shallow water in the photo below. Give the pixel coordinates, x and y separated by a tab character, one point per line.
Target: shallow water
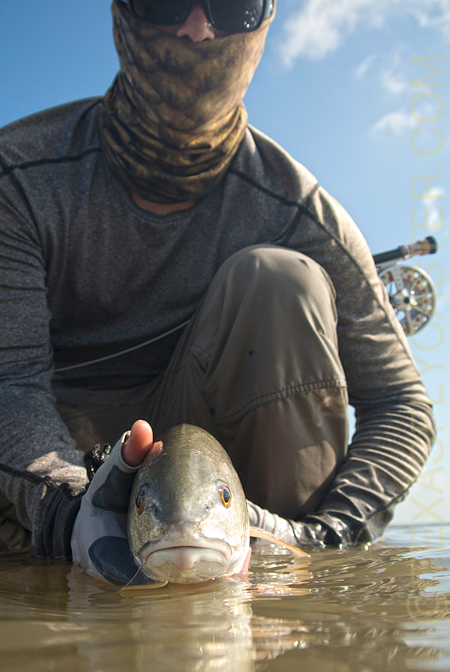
385	607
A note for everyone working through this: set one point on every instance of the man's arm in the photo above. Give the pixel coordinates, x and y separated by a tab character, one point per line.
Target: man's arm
41	470
394	419
376	475
386	456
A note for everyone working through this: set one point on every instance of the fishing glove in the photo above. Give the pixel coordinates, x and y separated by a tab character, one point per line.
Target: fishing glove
304	535
99	537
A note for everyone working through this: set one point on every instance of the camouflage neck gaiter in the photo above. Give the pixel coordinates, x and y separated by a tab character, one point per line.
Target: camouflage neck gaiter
174	118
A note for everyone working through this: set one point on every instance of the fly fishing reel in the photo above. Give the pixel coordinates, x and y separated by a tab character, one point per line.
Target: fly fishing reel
411	291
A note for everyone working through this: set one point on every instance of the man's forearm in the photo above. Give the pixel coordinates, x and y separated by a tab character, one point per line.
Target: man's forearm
41	471
389	449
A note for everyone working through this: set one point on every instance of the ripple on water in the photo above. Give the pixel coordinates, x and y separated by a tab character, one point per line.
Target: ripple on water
381	608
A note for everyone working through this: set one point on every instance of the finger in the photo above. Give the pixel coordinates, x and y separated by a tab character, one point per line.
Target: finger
243	573
137	445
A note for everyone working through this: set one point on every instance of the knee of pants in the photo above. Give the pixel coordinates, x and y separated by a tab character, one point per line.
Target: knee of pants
261	275
264	331
269	264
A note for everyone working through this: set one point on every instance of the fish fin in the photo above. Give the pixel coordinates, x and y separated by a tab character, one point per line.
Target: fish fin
261	534
145	586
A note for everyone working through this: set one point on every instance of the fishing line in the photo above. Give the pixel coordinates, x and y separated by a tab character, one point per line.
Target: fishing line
141	586
122	352
127	585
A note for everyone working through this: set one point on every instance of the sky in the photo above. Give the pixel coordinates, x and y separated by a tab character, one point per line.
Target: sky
356	90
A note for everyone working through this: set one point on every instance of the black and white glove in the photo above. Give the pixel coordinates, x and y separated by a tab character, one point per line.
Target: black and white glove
99	537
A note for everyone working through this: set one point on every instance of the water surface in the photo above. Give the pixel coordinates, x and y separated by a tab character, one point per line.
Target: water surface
380	608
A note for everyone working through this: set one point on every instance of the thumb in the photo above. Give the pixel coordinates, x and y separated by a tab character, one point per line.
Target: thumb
138	443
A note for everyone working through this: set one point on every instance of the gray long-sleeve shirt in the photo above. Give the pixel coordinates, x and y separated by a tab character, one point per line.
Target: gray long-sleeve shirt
85	273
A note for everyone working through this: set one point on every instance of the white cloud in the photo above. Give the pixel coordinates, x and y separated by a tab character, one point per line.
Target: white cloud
389	69
363	68
429	108
321	26
435	208
394	122
393	81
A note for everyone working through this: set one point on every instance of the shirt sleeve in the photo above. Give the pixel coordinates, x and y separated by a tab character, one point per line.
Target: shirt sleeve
394	420
41	471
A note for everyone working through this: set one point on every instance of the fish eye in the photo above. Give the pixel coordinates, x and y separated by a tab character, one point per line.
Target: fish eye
225	496
140	501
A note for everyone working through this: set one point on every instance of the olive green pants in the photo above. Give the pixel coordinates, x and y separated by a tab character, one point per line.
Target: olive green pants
258	367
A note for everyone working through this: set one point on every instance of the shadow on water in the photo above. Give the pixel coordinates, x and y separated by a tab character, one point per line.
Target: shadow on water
382	608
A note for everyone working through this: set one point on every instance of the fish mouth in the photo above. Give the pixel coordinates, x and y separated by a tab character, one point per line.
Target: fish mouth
185	560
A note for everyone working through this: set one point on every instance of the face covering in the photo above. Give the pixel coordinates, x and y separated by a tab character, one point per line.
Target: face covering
174	118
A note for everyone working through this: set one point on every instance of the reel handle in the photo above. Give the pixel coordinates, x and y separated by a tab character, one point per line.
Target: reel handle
424	246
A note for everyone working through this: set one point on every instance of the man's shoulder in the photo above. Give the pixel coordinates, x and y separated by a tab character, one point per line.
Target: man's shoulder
283	187
266	165
51	134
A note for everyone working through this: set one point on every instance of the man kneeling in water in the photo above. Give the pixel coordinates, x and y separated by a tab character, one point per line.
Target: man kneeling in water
156	208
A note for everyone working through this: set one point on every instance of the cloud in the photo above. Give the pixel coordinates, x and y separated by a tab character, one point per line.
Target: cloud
321	26
435	207
389	70
394	82
363	68
394	122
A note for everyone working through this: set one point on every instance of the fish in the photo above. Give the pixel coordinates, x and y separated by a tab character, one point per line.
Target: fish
188	518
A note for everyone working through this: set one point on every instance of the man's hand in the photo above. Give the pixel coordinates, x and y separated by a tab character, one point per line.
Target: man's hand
304	535
99	537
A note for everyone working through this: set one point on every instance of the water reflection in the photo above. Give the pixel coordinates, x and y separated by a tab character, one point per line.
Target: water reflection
381	608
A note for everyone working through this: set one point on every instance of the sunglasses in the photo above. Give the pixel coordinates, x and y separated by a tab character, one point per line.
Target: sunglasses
231	16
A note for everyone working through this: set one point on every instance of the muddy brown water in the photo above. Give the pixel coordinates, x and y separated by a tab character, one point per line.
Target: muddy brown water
385	607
